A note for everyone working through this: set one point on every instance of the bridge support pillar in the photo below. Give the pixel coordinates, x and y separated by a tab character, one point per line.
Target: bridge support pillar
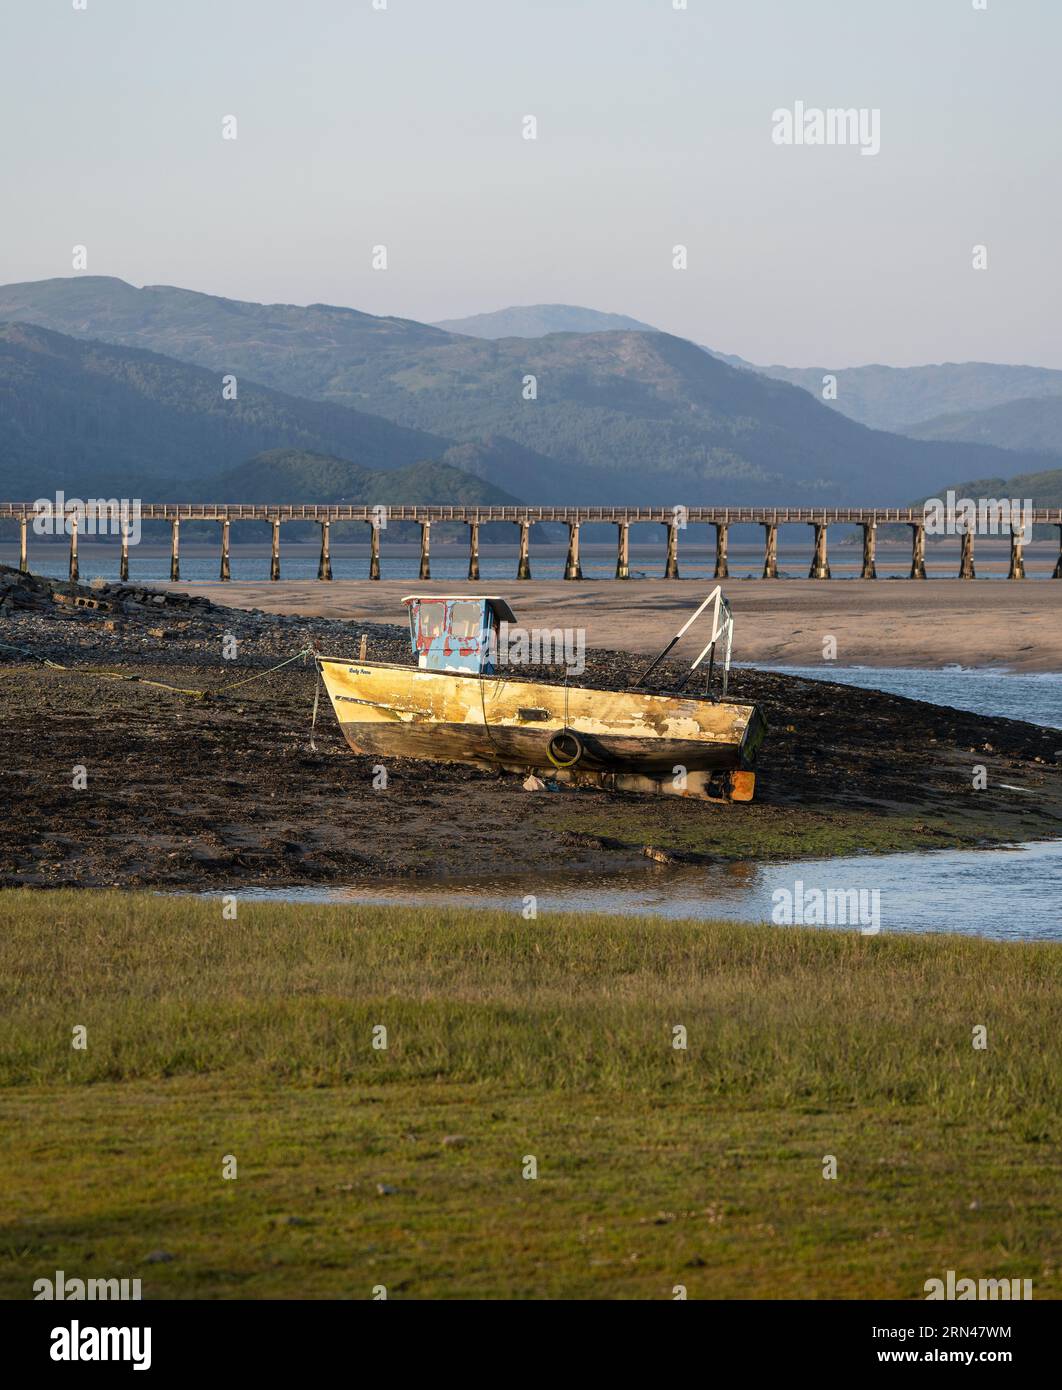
123	560
870	547
623	550
918	549
523	568
23	551
473	550
671	569
274	551
770	549
175	549
966	554
226	573
324	565
74	573
1017	553
820	563
572	568
374	550
722	534
1058	564
425	550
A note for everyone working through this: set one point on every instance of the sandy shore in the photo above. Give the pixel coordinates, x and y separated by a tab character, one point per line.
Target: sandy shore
786	622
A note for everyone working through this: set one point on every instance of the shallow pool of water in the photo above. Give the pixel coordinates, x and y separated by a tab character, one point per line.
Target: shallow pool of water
1012	894
1035	698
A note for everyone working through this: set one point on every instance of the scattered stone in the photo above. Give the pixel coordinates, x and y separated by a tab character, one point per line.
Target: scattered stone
158	1257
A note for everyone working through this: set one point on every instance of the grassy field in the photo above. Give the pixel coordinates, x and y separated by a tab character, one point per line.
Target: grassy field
404	1166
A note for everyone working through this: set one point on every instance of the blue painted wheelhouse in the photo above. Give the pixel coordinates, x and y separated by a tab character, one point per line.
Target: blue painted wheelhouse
456	632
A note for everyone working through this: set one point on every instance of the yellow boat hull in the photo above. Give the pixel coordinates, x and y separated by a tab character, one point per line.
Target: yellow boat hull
408	712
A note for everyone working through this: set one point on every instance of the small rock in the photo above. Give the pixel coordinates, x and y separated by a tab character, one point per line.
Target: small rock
158	1257
385	1189
454	1141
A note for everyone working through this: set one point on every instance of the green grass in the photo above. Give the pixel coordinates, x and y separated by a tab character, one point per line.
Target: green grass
506	1038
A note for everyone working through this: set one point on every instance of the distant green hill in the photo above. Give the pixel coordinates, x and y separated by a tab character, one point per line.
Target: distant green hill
1045	488
96	420
1032	424
310	477
538	320
621	417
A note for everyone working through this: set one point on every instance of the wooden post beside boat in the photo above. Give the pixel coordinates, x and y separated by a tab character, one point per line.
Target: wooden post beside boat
23	551
473	550
72	523
374	550
123	561
425	550
175	549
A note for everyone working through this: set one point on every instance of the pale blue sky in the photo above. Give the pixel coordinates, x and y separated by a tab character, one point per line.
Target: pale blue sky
358	127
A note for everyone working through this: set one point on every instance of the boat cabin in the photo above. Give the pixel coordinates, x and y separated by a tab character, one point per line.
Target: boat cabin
456	632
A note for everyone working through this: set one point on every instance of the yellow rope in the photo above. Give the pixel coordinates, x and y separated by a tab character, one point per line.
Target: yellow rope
162	685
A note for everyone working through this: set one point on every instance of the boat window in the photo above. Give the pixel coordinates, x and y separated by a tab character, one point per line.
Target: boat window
466	621
431	623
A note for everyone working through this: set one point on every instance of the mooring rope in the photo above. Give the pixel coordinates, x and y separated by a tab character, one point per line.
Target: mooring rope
163	685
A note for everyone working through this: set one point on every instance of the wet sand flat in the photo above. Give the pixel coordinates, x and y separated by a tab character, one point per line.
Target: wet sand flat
938	623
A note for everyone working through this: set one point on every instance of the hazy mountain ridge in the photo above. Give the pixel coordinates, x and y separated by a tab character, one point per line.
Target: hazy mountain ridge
539	320
1033	424
92	418
902	399
621	416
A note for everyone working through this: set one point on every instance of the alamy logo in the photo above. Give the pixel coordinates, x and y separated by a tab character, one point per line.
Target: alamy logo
830	907
541	646
99	516
981	1289
77	1343
987	516
834	125
62	1288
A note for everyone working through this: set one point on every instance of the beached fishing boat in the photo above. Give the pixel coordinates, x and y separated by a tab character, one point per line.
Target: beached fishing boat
464	702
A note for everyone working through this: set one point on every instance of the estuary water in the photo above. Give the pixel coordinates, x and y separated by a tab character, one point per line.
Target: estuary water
1004	894
1035	698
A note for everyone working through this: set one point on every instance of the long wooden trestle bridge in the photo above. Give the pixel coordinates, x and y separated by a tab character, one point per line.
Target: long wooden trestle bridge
675	519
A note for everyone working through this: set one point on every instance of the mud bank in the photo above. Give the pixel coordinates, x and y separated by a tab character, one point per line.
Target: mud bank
201	793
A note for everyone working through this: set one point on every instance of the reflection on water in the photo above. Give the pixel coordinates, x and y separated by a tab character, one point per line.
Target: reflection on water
1013	894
